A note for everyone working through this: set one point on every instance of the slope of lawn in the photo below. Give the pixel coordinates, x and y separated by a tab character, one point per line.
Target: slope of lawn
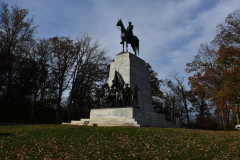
84	142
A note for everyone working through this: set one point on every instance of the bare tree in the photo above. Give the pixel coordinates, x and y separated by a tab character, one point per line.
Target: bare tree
16	34
179	89
62	64
173	108
41	54
89	69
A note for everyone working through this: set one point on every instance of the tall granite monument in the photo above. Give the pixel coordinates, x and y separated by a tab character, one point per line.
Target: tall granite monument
126	99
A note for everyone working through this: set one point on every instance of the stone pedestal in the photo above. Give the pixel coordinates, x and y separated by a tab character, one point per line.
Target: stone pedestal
128	116
133	71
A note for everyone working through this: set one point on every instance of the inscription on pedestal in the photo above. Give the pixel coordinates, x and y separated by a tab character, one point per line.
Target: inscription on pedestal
86	123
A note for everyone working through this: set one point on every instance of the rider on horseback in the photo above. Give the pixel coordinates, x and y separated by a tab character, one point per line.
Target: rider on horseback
130	32
129	29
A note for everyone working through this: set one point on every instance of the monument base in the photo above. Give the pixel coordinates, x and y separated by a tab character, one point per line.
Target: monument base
127	116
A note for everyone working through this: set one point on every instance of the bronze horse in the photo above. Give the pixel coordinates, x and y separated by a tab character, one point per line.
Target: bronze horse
124	36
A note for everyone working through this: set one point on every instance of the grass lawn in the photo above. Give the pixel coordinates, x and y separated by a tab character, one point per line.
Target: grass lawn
82	142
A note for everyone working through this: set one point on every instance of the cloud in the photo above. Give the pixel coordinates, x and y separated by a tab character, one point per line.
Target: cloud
194	31
170	32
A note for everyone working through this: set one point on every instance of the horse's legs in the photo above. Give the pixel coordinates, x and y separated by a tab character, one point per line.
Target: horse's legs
123	45
127	46
134	49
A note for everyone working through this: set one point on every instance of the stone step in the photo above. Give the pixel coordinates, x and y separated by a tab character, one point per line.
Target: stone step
105	123
124	122
121	120
105	120
127	124
74	122
115	123
128	120
112	124
111	119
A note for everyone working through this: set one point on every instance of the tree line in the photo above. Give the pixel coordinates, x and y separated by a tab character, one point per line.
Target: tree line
214	84
34	73
216	71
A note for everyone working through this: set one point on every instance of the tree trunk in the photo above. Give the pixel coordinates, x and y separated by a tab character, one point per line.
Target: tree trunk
79	111
71	97
42	103
9	93
228	115
59	101
237	117
170	114
180	119
237	114
173	112
185	105
223	119
70	108
34	105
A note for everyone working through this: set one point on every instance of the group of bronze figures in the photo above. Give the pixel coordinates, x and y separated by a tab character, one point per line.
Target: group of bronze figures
118	95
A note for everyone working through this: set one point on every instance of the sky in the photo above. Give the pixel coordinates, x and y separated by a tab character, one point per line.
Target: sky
170	31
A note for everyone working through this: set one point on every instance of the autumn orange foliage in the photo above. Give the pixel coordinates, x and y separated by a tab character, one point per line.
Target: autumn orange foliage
216	70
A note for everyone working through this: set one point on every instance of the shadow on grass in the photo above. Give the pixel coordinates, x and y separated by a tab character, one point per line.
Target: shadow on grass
5	134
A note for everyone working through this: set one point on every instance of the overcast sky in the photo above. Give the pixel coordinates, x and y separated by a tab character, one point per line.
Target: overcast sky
170	31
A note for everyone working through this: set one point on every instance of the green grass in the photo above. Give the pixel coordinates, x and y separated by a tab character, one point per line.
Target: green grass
81	142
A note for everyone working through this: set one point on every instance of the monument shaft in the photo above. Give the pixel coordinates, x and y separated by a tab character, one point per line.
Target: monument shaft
134	72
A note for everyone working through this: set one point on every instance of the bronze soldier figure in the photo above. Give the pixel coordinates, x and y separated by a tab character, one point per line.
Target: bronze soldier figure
113	84
121	97
127	91
134	94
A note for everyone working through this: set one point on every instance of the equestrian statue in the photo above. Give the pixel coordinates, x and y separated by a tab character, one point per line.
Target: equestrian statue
128	37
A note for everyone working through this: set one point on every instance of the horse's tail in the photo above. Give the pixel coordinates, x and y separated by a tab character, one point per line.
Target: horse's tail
138	50
135	45
138	47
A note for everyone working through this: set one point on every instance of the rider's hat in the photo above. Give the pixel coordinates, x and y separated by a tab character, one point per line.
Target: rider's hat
127	84
129	22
